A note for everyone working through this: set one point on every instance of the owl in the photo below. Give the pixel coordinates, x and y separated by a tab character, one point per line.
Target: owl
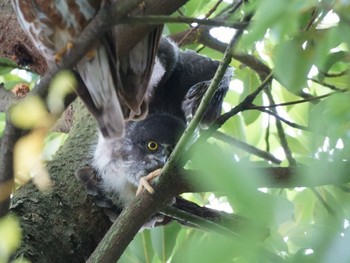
117	86
120	163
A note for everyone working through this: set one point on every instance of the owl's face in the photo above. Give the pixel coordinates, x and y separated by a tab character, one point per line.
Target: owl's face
150	142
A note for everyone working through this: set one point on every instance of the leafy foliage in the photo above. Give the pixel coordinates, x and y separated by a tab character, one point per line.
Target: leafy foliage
306	46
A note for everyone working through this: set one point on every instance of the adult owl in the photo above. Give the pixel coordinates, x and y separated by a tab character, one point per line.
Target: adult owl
119	164
117	86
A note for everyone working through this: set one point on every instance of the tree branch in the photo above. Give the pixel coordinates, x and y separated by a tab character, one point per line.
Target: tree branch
280	132
246	147
269	177
154	20
279	118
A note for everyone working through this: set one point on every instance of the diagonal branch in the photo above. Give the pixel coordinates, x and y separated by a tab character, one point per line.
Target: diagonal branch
279	118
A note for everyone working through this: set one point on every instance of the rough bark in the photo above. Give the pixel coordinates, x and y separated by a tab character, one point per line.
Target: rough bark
62	224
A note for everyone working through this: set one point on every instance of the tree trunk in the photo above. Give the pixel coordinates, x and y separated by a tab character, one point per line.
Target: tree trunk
64	224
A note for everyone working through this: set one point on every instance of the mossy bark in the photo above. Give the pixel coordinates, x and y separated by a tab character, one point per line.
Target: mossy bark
63	225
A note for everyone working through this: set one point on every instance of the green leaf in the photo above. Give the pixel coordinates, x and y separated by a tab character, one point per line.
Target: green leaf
8	62
235	127
304	202
335	110
164	239
331	59
292	65
139	250
10	80
296	145
52	143
5	70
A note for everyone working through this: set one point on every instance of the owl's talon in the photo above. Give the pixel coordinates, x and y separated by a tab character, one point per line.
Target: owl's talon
144	182
60	54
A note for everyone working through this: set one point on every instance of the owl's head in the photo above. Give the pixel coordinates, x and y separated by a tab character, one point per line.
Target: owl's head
154	138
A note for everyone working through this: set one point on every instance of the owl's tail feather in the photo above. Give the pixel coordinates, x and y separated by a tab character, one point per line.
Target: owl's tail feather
135	72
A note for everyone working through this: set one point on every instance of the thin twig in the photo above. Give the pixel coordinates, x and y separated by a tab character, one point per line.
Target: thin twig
154	20
330	86
335	75
267	135
200	222
292	124
281	133
211	11
313	18
246	147
329	209
314	98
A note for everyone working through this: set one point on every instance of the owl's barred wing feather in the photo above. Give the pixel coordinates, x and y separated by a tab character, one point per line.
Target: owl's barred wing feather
195	94
52	24
117	87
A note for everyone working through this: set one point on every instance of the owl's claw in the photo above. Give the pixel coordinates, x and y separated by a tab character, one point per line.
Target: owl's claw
59	54
144	182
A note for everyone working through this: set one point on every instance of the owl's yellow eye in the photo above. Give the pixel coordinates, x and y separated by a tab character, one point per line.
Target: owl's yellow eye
152	145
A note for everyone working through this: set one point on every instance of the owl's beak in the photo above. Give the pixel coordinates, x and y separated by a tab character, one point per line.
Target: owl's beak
161	160
163	155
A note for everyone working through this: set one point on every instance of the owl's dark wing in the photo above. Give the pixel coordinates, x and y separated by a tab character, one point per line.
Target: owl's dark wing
187	76
194	97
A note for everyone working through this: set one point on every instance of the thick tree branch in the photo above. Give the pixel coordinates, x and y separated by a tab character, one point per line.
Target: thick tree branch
202	36
269	177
